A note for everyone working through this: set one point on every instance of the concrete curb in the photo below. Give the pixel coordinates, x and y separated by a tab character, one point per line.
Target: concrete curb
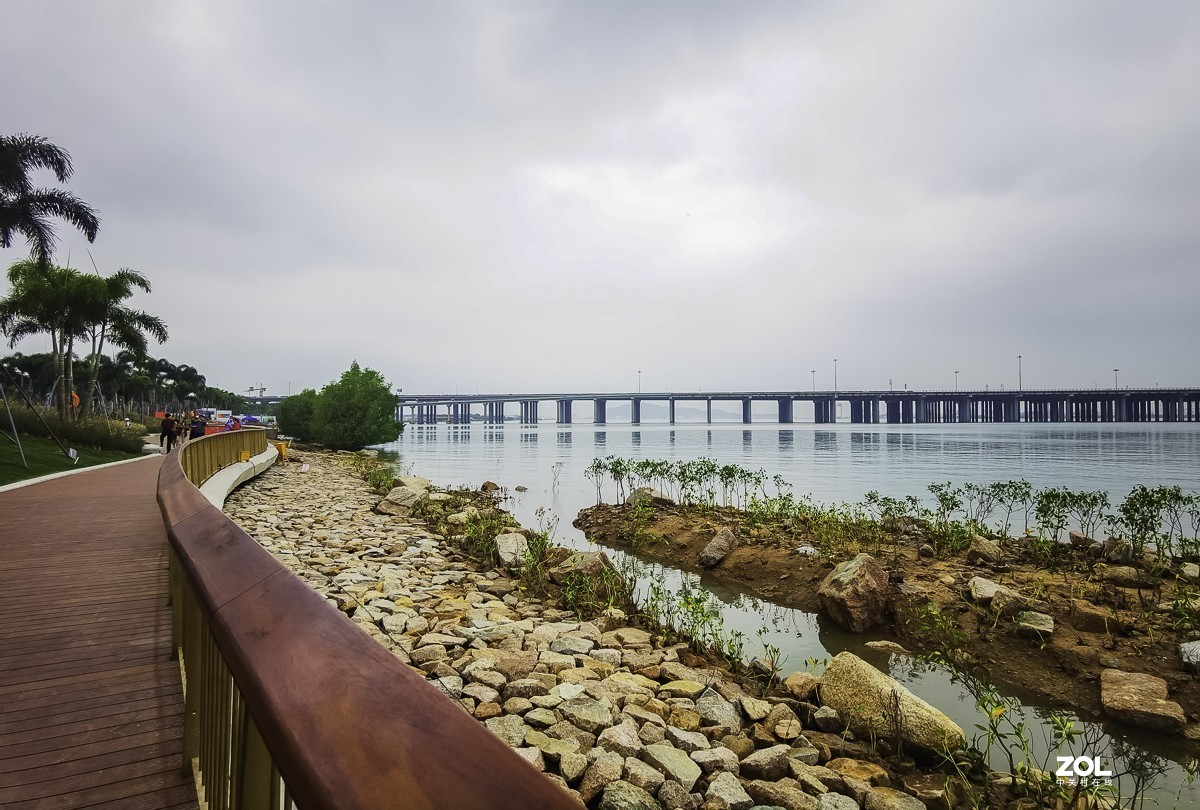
31	481
226	480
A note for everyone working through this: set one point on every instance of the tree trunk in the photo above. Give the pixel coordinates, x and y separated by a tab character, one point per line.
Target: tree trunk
60	383
69	362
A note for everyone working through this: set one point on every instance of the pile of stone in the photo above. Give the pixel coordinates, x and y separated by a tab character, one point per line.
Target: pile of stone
603	708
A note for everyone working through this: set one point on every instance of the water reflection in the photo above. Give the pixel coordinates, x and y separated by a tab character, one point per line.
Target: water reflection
815	460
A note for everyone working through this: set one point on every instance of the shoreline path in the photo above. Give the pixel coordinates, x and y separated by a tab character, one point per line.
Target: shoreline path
91	709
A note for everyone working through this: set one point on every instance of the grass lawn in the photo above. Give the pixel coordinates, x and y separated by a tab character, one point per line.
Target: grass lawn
45	457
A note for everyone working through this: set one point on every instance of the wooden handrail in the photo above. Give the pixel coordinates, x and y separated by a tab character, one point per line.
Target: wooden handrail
288	702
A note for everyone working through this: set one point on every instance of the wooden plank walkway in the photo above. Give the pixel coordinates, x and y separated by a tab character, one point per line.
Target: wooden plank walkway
91	709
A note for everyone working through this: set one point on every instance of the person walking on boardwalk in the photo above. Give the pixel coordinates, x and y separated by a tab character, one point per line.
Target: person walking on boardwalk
168	432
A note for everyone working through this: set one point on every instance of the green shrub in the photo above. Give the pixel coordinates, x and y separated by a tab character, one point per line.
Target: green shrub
296	414
357	410
94	432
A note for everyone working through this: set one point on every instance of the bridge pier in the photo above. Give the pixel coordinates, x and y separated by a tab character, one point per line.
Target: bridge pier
601	415
671	410
785	411
746	411
708	404
635	411
564	411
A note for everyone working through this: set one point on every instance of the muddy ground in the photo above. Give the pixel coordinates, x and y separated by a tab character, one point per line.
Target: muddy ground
1142	634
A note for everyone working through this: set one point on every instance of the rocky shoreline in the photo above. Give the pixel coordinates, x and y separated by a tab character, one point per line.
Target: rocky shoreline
603	707
1084	640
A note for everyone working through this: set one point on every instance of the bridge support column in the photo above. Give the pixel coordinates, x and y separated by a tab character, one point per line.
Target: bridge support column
635	411
856	411
671	411
785	411
564	411
708	404
601	417
746	411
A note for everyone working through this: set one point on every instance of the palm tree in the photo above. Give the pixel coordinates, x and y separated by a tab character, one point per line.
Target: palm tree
108	319
44	298
27	210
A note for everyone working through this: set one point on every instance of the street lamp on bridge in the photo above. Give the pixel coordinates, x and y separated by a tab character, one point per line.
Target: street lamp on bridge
1020	382
814	373
1115	370
835	375
639	381
956	379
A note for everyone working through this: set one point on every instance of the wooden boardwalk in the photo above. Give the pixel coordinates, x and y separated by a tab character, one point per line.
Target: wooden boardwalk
91	711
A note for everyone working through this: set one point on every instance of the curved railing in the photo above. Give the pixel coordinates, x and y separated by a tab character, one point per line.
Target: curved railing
287	702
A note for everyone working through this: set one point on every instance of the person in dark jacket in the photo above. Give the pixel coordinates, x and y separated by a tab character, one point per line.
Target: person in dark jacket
198	425
167	435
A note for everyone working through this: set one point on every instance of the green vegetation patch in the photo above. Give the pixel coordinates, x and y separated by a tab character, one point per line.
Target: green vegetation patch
45	457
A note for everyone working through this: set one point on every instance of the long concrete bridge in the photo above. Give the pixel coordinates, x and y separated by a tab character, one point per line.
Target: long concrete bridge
864	407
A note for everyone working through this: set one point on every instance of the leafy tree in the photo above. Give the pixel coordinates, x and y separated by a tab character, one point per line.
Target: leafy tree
27	210
107	318
357	410
296	414
45	298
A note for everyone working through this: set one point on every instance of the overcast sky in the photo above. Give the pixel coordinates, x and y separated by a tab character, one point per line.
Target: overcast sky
553	196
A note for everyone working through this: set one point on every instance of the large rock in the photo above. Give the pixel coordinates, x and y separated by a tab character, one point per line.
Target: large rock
718	548
672	763
413	482
785	793
593	716
770	764
592	565
871	703
1140	700
1088	618
856	594
1123	576
625	796
648	495
727	788
715	710
1032	624
1000	599
622	739
512	549
983	550
400	501
604	770
1189	651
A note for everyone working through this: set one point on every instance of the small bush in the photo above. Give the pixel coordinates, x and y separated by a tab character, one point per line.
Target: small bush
357	410
94	432
296	414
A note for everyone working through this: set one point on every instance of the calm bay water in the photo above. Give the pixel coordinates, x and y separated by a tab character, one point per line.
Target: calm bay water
832	463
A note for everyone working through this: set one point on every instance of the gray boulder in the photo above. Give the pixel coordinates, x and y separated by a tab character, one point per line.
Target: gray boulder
856	594
871	703
648	495
1189	651
400	501
512	548
983	550
1140	700
718	548
728	789
622	795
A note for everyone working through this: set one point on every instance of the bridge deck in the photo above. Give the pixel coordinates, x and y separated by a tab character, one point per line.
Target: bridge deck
91	708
